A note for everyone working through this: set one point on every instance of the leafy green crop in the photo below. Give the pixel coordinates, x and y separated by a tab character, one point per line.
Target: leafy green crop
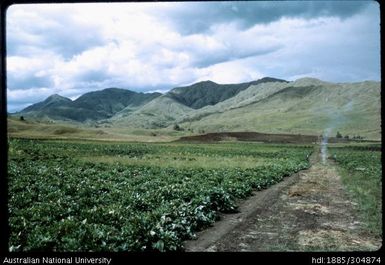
59	202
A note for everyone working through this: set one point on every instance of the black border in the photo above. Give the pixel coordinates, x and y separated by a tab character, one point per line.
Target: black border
254	257
3	135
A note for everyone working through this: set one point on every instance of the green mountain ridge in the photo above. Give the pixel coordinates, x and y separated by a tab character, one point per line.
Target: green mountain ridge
52	101
92	106
206	93
248	96
116	103
170	108
300	107
158	113
268	105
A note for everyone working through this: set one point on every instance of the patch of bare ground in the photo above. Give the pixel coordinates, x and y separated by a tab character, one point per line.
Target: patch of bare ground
309	211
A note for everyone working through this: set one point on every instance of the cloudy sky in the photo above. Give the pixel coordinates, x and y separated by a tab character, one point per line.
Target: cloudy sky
71	49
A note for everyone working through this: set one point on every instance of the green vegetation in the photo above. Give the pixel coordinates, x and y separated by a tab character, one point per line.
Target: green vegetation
178	128
305	106
96	105
88	196
158	113
207	93
62	130
362	173
352	109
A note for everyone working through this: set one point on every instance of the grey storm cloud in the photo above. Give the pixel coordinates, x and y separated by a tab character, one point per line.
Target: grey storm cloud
198	17
73	49
64	36
92	76
70	43
229	55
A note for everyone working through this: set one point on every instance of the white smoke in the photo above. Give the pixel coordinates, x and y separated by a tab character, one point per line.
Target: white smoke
324	143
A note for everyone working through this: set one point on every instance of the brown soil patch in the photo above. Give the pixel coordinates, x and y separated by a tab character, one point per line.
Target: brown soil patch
257	137
251	136
309	211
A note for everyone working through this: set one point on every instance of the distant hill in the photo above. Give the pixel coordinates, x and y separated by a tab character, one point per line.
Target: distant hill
170	108
92	106
269	105
307	106
206	93
52	101
158	113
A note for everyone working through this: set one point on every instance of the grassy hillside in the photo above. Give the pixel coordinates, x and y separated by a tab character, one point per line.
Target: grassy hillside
246	97
51	102
110	101
91	106
59	130
305	106
158	113
207	93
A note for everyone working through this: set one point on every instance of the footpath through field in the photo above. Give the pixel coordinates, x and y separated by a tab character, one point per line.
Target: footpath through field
308	211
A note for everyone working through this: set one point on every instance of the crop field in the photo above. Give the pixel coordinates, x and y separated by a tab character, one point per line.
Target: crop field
93	196
361	171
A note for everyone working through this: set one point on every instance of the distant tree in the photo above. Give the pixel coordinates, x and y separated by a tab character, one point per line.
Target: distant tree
346	137
178	128
357	137
338	135
22	118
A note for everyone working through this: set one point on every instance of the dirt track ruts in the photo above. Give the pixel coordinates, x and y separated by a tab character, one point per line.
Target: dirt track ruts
309	211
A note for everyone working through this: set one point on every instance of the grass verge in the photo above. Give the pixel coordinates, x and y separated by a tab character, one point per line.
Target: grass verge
366	192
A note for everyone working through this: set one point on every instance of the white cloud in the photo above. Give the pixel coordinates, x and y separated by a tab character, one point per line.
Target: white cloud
229	72
75	48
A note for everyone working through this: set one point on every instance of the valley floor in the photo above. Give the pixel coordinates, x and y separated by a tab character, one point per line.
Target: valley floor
309	211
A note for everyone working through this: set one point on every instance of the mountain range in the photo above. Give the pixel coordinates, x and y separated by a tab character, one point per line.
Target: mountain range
95	105
307	105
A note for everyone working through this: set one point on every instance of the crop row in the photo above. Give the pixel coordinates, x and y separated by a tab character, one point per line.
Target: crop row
54	149
362	159
59	203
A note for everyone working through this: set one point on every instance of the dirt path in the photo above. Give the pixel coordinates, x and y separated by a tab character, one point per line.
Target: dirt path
306	212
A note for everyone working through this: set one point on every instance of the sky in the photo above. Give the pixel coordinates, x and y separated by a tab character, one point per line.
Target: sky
71	49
